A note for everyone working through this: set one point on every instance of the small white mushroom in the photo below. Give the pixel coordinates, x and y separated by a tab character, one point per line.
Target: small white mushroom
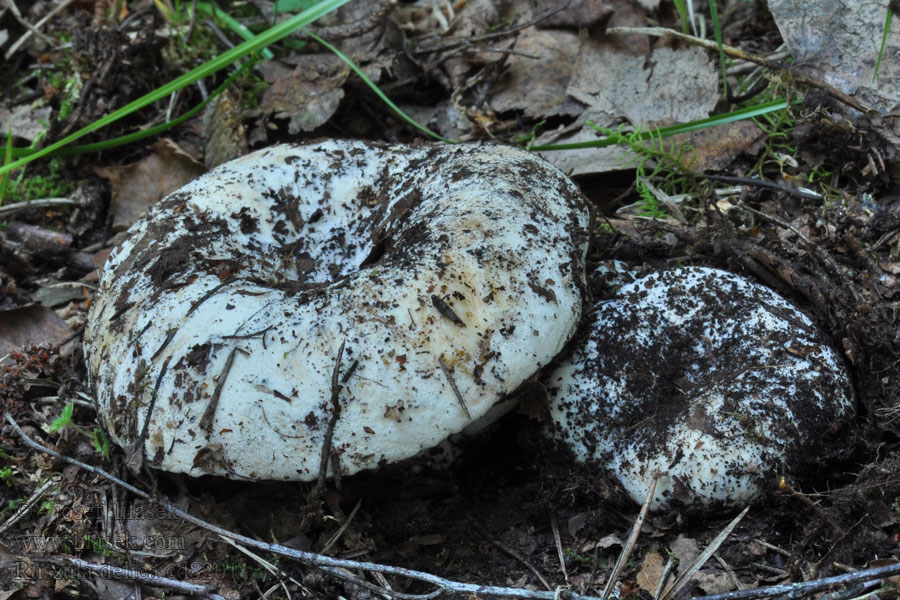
448	275
715	383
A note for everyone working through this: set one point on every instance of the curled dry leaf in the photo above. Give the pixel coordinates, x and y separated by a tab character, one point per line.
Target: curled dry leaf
138	186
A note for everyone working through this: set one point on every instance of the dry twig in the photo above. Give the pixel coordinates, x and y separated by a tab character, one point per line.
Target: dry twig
632	539
336	567
112	572
698	563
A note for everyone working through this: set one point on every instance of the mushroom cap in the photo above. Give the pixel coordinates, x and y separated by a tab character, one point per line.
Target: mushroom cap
716	383
213	342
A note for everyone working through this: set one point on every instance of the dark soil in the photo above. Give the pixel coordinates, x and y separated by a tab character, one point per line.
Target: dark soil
495	516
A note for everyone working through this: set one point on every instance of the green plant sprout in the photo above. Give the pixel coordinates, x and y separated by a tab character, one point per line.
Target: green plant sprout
717	32
648	150
62	420
527	139
681	7
101	443
98	437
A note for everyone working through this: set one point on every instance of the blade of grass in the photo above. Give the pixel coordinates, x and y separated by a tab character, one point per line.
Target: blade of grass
144	133
376	89
884	37
681	7
270	36
4	179
736	115
717	32
232	24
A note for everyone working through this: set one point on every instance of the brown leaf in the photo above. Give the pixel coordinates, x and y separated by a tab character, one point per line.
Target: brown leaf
651	572
224	130
138	186
715	148
669	86
537	75
30	325
309	95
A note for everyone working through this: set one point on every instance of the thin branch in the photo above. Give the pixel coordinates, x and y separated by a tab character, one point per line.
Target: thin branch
32	500
18	43
10	209
632	539
459	398
333	566
454	42
554	526
794	591
113	572
332	422
698	563
765	184
209	414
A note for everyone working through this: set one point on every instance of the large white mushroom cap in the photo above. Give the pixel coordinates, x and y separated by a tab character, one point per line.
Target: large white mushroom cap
715	383
450	274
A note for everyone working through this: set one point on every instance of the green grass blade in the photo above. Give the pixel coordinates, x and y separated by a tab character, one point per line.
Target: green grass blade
717	31
377	90
884	37
663	132
7	158
259	42
681	7
144	133
232	24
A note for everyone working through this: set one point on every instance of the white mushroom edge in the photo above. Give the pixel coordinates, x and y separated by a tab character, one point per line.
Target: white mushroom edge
450	275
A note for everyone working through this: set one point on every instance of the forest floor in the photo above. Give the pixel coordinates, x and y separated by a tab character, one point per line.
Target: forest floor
510	513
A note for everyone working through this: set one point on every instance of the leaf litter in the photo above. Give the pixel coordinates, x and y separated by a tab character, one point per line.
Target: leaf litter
510	71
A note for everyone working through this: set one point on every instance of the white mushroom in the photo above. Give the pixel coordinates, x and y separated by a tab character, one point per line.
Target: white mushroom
448	274
716	383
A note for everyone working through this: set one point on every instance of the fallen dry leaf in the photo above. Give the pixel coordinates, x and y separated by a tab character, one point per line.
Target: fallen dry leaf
583	160
224	130
25	121
838	42
715	148
537	76
714	582
673	86
30	325
136	187
651	572
309	95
